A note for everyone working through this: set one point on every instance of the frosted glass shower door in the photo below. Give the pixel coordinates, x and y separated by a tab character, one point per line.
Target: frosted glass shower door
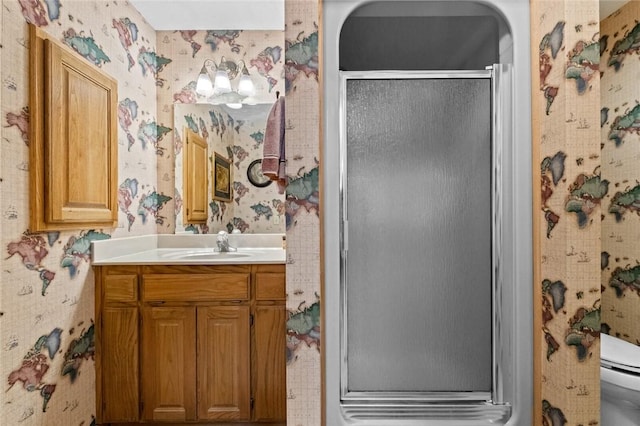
417	234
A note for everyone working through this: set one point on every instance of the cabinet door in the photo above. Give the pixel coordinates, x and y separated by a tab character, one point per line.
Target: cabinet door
169	363
269	385
74	145
119	364
223	363
195	195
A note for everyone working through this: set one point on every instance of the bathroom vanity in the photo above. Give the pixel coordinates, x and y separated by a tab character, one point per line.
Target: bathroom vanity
186	334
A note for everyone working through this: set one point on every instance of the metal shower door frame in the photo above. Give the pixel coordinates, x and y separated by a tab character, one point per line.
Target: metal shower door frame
461	405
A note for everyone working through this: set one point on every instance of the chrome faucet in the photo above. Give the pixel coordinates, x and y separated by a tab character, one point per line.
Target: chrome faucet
223	242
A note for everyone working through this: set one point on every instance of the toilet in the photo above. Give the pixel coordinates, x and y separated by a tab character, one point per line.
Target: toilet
620	382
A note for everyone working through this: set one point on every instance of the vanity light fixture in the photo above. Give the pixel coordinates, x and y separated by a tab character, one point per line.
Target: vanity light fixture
219	91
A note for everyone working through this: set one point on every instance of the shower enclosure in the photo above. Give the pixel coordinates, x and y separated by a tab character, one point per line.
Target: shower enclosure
427	294
417	235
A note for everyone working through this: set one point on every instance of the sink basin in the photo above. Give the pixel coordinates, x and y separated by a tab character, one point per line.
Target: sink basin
202	255
211	255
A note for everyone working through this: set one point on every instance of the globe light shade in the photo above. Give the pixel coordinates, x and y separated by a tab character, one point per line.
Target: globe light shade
245	86
221	83
204	86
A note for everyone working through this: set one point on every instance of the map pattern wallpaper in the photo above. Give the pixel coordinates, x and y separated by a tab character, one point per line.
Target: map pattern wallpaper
47	292
620	142
566	108
304	396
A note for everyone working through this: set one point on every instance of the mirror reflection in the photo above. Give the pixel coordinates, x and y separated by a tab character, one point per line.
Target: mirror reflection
255	204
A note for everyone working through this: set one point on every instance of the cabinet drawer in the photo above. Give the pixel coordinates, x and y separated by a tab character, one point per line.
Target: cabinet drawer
195	287
120	288
270	286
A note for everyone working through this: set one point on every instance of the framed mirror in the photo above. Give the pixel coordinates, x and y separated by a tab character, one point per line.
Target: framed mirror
239	196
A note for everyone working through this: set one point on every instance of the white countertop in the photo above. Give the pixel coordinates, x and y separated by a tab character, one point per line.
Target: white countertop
188	249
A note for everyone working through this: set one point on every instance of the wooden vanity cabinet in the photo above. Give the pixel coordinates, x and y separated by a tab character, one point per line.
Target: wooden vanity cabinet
116	343
269	344
212	343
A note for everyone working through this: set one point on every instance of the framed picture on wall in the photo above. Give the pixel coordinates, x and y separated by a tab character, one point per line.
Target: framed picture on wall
221	178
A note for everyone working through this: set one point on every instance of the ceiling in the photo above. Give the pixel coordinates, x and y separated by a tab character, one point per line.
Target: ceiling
165	15
607	7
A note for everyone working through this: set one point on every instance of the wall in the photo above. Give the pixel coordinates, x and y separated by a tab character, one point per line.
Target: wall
619	116
304	389
252	210
186	52
47	296
566	106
